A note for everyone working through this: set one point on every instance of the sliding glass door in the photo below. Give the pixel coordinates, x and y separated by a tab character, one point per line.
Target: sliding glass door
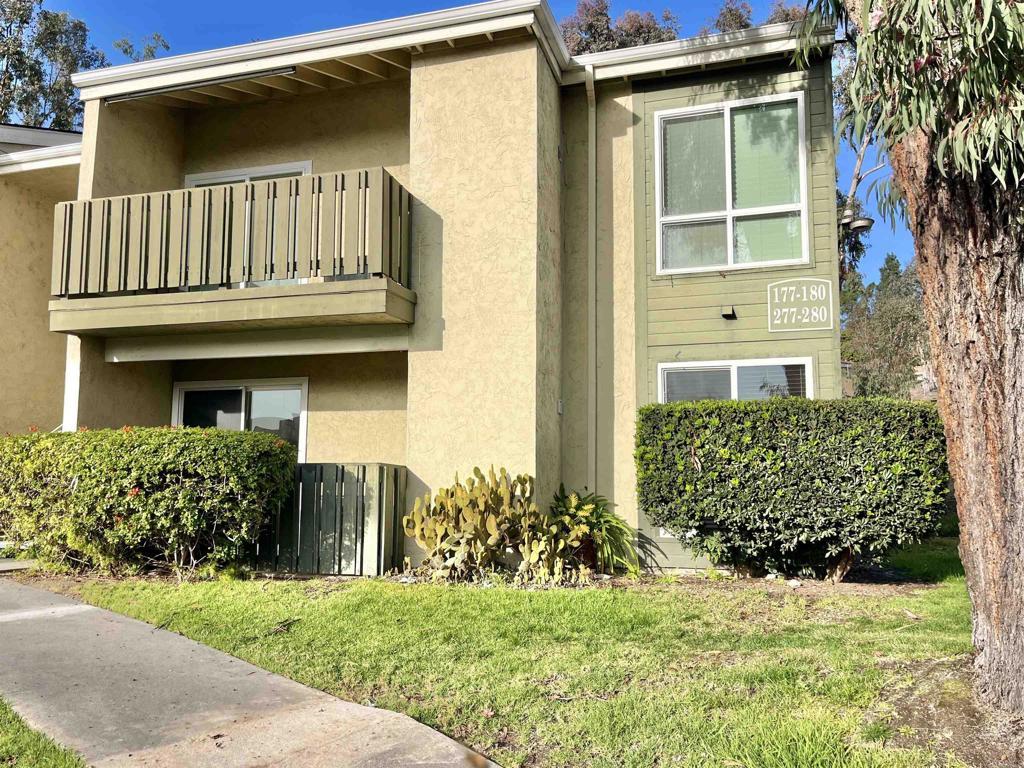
273	406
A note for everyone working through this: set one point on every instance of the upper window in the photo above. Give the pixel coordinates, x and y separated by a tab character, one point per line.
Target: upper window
735	380
258	173
730	185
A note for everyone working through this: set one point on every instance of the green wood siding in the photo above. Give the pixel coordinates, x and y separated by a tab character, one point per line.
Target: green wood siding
679	317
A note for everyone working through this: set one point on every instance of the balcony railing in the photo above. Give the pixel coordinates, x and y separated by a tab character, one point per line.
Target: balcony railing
332	226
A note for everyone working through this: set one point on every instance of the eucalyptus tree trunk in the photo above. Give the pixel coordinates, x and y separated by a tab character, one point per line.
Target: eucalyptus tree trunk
970	264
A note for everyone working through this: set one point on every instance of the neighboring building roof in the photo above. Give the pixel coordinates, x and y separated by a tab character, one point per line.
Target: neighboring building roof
691	52
483	21
41	158
31	137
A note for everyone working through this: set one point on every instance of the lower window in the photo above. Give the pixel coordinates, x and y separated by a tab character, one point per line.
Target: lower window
735	379
277	406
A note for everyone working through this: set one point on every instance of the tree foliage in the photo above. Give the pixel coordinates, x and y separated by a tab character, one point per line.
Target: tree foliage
950	73
782	13
884	333
852	245
39	51
732	16
591	29
148	48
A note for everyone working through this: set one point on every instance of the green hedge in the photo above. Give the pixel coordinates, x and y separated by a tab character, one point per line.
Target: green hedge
133	499
793	485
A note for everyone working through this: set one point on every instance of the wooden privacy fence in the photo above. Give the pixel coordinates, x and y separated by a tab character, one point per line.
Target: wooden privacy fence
342	519
349	224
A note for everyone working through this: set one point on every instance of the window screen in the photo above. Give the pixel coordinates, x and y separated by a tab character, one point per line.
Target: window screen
760	382
698	384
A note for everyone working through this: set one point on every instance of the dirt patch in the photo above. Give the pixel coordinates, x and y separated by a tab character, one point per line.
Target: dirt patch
932	705
809	588
864	584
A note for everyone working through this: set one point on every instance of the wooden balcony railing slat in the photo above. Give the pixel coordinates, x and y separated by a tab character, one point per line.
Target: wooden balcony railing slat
304	204
374	221
328	226
350	254
114	247
58	285
259	252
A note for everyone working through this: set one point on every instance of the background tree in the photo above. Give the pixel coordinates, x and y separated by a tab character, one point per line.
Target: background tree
39	51
852	245
149	47
732	16
782	13
590	29
884	331
940	88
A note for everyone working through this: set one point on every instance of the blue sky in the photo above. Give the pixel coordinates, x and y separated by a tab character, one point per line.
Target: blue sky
194	25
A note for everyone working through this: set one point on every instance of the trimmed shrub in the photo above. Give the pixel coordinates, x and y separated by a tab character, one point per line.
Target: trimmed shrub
133	499
792	485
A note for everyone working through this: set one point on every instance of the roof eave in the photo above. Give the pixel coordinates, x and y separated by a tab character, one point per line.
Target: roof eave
38	159
693	52
192	68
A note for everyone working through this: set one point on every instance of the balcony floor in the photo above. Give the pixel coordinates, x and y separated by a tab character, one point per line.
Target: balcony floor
369	301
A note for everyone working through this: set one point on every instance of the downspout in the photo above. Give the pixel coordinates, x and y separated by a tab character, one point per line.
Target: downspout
591	280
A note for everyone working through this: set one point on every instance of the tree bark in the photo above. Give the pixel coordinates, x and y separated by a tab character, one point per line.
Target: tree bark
971	266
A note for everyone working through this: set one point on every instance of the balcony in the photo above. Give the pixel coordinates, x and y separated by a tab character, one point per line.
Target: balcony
331	249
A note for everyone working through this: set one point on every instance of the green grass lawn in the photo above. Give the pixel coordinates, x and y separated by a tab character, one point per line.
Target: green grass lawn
669	672
21	747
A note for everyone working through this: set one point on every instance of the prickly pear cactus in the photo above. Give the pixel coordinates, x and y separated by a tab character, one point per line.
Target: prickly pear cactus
466	529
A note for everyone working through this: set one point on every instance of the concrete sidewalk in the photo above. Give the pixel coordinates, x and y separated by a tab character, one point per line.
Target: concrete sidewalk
121	692
10	565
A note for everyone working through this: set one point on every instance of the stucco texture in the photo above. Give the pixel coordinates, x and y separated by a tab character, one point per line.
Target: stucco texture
129	149
32	370
359	127
356	402
473	359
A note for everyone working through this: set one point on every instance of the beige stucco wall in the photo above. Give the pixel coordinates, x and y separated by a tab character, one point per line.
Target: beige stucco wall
356	403
32	370
129	148
112	395
359	127
474	396
616	366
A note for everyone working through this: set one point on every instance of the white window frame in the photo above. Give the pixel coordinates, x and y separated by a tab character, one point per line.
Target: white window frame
733	366
300	383
729	215
236	175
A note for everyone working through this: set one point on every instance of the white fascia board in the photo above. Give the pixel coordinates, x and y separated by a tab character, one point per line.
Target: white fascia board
406	31
692	52
40	159
37	137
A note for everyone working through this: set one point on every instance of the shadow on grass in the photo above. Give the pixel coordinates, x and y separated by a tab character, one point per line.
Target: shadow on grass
932	562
